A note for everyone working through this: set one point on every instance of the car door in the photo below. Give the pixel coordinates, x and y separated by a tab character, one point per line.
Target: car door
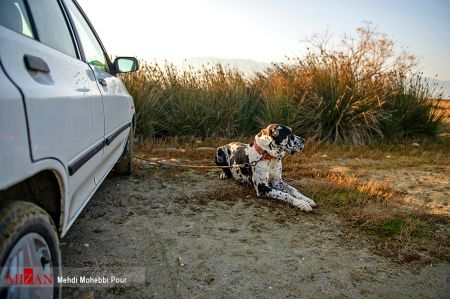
117	103
64	107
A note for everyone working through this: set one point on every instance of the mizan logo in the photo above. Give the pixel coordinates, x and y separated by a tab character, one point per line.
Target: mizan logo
28	277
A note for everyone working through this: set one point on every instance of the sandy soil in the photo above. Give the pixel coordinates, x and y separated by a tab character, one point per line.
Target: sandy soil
193	245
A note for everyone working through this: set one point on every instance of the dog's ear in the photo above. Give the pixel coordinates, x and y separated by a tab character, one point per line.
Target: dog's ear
268	131
272	131
278	132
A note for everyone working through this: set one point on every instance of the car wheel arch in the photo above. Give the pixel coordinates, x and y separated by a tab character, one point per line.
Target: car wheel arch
44	188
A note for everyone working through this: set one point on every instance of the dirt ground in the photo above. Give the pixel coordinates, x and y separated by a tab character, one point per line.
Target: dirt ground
191	244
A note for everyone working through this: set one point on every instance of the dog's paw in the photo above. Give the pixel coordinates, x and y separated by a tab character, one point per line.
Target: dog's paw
302	205
310	202
223	176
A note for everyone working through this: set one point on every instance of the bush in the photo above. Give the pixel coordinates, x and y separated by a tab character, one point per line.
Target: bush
360	92
411	111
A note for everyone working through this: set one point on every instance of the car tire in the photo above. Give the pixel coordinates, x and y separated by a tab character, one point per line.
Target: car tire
28	238
125	164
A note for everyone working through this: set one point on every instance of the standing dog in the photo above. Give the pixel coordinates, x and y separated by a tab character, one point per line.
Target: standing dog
259	164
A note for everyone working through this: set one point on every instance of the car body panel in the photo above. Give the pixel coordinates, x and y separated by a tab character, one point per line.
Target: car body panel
64	108
119	109
15	151
53	120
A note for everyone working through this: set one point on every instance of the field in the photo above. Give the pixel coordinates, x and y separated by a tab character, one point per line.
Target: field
395	194
376	162
381	228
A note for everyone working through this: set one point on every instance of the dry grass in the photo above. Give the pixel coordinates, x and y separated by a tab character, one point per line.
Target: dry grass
335	177
360	92
443	107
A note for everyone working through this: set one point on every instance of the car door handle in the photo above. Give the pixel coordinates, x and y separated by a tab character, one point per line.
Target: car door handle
34	63
102	82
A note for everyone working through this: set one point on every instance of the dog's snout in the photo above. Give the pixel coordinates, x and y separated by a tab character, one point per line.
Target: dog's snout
299	140
296	144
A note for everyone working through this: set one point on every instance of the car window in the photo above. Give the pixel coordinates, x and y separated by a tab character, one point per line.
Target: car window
92	50
13	15
51	26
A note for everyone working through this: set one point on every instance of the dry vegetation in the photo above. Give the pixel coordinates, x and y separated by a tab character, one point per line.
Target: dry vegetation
360	92
443	108
360	185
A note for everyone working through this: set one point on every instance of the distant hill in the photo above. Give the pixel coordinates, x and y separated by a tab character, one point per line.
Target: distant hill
247	66
441	83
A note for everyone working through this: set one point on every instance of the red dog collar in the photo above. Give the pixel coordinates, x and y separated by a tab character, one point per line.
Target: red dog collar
265	155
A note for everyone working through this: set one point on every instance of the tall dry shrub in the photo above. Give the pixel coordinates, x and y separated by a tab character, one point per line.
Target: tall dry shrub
207	102
355	93
360	91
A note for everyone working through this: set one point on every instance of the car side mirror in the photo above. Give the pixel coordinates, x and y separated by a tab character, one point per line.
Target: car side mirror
126	64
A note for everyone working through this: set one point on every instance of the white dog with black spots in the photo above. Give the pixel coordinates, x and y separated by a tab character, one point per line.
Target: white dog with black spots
259	164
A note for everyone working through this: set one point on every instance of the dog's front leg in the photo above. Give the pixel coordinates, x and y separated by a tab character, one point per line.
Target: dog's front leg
263	189
279	184
275	170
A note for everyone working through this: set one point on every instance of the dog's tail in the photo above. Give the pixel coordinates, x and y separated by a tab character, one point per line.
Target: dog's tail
223	159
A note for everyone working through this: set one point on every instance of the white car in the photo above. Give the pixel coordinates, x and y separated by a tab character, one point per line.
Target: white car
66	120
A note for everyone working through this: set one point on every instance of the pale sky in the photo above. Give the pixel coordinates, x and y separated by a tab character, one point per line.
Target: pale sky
265	30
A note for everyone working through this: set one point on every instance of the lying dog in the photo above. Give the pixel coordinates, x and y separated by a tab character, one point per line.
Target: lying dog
259	164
